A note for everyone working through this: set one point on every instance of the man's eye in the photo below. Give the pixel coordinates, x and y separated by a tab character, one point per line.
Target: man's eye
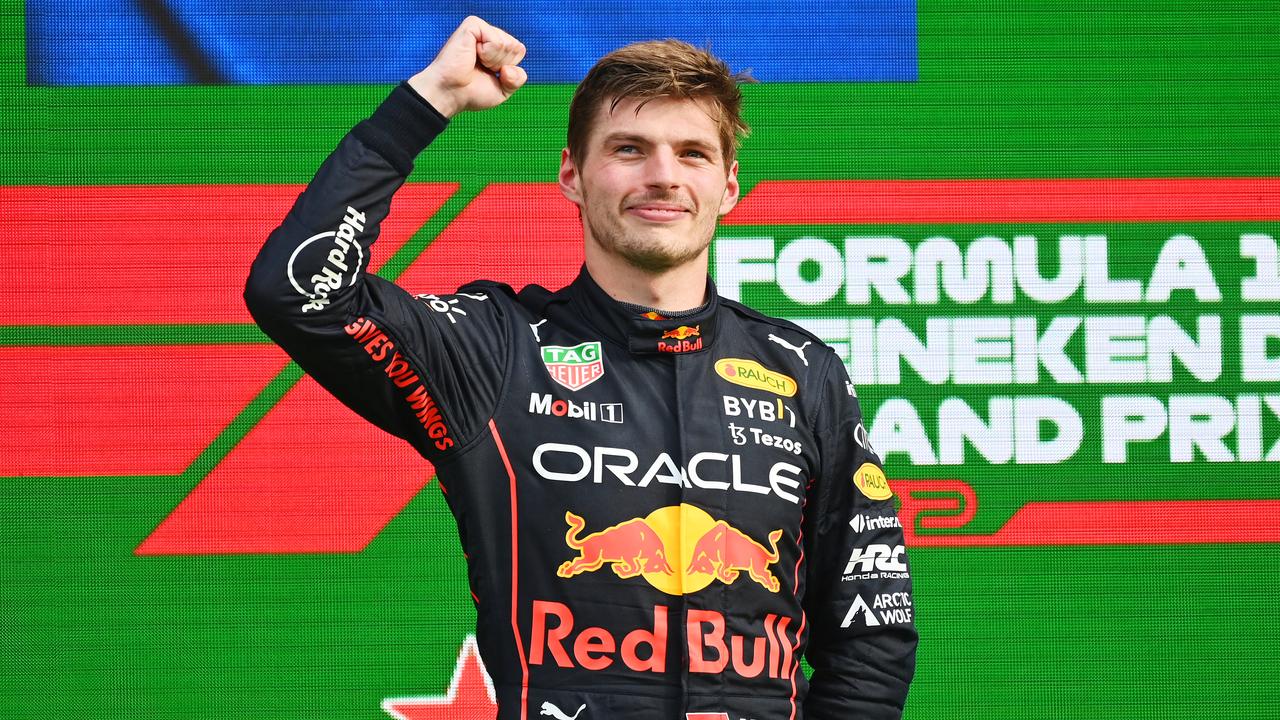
696	154
627	149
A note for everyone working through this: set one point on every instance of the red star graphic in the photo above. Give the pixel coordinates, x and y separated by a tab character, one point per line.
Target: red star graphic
470	693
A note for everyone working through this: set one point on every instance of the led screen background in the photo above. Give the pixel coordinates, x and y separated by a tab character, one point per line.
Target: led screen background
1086	448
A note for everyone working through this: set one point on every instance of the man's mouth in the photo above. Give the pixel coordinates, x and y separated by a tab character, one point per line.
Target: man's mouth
657	212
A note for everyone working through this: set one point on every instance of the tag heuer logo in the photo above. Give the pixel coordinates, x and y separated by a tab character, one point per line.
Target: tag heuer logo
574	367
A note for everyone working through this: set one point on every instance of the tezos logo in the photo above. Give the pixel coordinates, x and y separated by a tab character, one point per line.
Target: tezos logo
574	367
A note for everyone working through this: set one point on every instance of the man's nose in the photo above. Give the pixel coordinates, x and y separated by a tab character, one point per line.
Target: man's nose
662	168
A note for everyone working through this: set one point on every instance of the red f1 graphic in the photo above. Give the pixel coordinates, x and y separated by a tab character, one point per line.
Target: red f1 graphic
470	694
307	507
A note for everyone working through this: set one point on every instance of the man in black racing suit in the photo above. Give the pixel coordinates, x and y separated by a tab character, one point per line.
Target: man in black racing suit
666	499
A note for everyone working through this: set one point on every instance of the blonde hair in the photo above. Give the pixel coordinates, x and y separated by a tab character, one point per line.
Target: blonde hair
659	69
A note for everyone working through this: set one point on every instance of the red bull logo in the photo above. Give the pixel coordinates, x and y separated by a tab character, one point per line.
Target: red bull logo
683	332
768	650
681	339
724	551
710	550
630	547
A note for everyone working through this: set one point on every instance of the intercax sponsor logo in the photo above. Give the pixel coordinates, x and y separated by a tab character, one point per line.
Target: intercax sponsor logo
862	522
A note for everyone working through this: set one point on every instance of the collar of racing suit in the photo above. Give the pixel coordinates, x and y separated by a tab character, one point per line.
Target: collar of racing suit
646	334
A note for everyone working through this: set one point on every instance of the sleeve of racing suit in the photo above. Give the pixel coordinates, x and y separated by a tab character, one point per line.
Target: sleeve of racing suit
858	586
408	364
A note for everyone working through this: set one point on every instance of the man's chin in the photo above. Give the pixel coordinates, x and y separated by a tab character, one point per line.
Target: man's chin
658	259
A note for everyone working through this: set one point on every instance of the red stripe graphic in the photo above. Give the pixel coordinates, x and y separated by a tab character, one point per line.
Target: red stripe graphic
1129	522
74	411
309	506
493	238
515	572
311	477
839	202
154	253
498	238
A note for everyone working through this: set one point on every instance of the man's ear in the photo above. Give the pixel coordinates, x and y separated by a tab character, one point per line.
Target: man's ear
731	189
570	184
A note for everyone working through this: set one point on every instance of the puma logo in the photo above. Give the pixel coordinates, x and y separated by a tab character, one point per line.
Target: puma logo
557	713
797	350
534	328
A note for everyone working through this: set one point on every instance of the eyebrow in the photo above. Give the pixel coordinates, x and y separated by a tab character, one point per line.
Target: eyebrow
616	137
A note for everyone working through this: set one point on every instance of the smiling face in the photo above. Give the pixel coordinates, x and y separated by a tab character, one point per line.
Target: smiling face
652	184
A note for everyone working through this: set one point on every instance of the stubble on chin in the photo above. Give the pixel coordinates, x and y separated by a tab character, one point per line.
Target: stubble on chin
651	251
652	255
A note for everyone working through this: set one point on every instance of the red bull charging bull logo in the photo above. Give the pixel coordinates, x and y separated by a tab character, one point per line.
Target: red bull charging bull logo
708	550
683	332
681	339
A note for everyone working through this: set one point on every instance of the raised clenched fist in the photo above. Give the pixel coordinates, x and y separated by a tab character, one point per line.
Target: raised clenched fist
477	68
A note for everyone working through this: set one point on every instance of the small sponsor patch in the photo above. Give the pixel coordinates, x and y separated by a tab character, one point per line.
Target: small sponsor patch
574	367
681	339
749	373
543	404
871	482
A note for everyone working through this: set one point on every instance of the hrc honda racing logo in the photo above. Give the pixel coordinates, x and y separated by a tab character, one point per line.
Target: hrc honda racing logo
877	562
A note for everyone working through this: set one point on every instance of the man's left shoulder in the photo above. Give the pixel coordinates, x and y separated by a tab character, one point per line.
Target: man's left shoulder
798	348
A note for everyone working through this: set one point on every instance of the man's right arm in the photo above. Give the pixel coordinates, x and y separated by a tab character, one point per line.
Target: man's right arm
363	338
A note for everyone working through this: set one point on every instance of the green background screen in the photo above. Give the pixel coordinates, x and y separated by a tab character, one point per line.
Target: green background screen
1050	262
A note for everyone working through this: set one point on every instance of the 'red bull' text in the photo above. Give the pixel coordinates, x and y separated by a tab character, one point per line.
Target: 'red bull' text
712	649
